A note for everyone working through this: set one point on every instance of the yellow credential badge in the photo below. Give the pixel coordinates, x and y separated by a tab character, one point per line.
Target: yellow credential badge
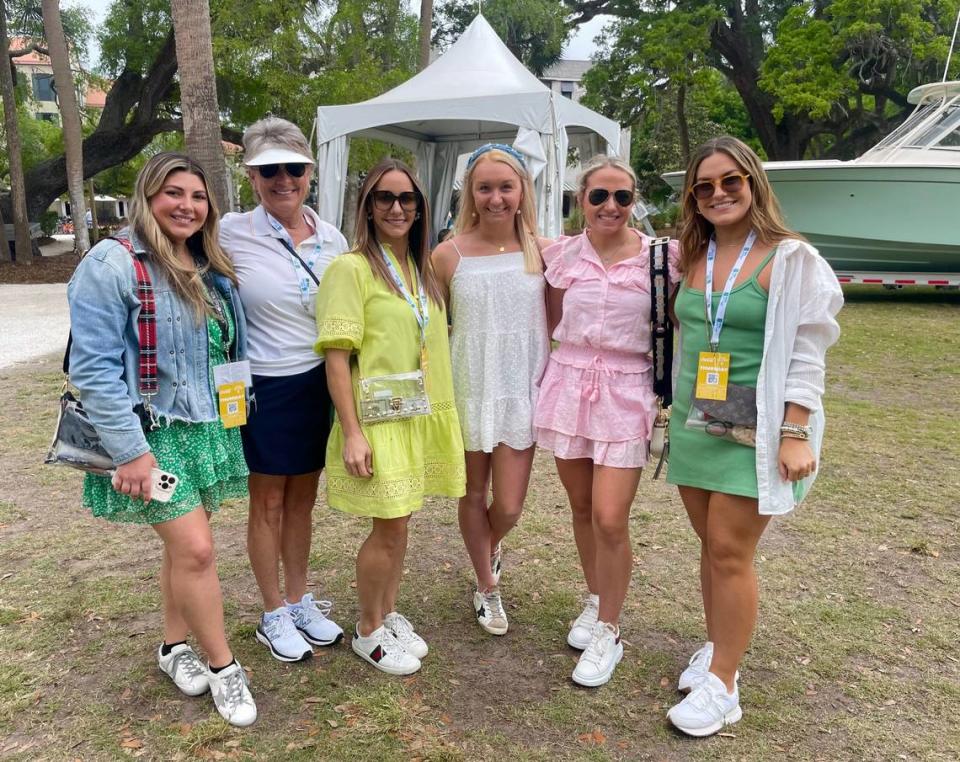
713	370
233	404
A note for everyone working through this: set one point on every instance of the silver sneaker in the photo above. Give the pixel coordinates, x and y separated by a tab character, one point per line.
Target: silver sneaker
183	666
231	695
490	614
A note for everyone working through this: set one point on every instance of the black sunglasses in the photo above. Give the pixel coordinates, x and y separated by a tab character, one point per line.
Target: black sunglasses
270	170
599	195
384	200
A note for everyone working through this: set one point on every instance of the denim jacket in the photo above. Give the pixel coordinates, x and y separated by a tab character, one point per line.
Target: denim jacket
104	357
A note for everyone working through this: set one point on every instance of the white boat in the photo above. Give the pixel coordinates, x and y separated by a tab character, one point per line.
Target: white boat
891	215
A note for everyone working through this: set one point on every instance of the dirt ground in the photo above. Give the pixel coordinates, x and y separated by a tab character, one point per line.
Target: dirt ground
854	656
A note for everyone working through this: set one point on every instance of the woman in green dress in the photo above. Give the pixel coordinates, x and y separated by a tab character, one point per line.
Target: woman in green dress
756	309
381	314
198	324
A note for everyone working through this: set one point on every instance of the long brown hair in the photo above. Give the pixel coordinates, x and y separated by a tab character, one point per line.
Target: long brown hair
525	223
187	282
367	244
765	215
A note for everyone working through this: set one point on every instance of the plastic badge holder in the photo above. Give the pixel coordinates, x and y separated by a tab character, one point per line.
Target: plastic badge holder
392	397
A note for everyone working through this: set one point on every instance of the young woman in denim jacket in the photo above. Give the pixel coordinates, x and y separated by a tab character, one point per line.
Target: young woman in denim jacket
199	324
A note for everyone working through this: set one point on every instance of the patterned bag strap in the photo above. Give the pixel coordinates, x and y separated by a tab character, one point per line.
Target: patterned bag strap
146	329
662	326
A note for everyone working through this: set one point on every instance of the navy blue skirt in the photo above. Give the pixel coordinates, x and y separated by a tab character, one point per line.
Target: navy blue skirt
286	433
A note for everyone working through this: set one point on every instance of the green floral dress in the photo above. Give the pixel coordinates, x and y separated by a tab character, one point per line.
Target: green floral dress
207	457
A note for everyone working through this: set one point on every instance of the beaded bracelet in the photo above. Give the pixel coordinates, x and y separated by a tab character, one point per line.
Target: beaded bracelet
795	431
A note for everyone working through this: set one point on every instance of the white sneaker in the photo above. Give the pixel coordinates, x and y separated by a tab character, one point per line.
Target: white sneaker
697	669
382	649
496	563
278	633
402	630
490	613
231	695
707	709
184	667
310	618
582	629
600	657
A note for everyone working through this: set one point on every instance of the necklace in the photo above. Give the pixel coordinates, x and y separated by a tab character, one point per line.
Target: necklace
609	258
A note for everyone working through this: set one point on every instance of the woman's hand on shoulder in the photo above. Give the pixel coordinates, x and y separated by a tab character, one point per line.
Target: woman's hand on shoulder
357	455
135	478
796	459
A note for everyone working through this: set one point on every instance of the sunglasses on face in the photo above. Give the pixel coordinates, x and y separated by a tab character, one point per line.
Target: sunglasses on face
384	200
599	196
270	170
705	189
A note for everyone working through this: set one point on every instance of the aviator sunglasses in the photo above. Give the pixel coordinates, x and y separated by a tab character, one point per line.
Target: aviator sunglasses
270	170
598	196
705	189
384	200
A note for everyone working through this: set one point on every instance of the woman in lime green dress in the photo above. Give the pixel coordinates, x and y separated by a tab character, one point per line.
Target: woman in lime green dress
379	313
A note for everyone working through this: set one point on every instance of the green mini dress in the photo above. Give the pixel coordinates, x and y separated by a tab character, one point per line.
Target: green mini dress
206	457
698	459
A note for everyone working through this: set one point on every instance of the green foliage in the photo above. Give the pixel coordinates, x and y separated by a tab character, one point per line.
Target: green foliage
25	19
132	35
534	30
48	222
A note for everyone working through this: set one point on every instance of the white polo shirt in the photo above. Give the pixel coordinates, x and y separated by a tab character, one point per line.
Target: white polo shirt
281	322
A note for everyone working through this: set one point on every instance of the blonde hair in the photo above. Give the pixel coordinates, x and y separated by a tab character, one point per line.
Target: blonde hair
187	282
367	244
525	223
765	215
598	162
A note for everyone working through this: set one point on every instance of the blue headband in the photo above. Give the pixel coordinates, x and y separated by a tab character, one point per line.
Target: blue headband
509	150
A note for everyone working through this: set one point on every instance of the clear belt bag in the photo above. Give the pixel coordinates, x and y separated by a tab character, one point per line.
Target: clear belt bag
388	398
397	395
662	349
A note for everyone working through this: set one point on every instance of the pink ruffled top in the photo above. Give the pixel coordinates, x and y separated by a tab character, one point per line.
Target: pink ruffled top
596	399
604	309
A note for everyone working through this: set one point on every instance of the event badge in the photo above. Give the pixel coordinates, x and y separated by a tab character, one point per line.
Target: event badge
713	371
232	380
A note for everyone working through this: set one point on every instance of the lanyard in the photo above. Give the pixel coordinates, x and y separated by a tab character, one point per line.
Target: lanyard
300	267
717	323
420	311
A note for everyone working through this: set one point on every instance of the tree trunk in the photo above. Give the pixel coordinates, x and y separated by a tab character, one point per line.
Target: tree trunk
21	225
426	27
70	116
5	252
198	92
94	222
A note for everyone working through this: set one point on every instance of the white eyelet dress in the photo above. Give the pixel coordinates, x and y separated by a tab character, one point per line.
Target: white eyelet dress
498	348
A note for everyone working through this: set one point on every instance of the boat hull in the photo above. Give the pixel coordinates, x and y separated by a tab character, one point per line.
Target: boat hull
872	217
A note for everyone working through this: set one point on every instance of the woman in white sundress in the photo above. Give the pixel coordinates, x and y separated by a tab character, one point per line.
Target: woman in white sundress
493	274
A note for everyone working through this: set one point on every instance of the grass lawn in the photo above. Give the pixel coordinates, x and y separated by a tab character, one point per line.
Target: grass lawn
855	655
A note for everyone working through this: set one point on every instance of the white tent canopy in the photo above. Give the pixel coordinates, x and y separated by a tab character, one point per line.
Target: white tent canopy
476	92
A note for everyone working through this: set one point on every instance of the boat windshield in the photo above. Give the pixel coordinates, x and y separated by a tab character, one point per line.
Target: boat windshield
933	126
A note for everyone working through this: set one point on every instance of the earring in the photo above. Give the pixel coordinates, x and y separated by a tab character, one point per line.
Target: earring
518	211
369	216
417	216
473	214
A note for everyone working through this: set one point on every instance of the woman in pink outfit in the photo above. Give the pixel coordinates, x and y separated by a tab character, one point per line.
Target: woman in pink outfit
596	406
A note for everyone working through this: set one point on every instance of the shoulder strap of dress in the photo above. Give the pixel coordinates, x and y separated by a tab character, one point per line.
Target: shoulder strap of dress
456	248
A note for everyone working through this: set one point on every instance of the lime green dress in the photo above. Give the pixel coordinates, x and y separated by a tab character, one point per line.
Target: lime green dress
412	457
698	459
207	457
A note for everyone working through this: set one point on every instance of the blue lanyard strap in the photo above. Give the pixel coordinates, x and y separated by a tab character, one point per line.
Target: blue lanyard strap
300	267
716	324
420	312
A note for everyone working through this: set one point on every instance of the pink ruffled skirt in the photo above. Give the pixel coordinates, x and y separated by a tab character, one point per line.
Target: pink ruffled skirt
597	404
